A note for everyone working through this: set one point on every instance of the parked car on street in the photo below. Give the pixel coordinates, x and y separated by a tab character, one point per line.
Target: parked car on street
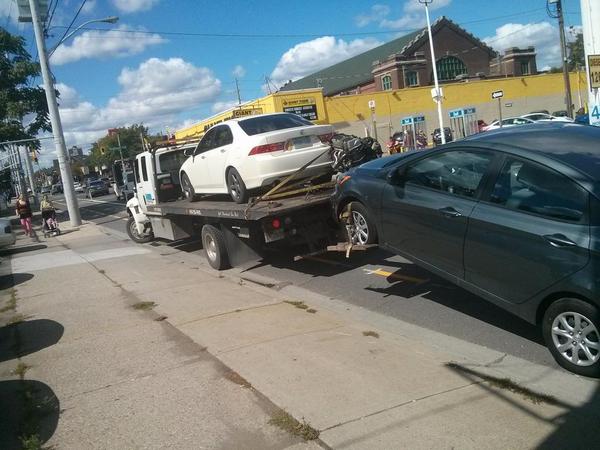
45	190
97	187
437	136
56	188
509	122
7	235
541	117
79	187
240	155
512	215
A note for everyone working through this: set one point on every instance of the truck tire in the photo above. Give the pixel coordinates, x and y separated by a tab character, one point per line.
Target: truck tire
236	186
133	234
213	243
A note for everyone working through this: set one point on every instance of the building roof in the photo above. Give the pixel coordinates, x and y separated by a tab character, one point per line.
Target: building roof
357	70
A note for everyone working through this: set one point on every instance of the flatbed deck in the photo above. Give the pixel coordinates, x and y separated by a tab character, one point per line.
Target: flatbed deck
220	207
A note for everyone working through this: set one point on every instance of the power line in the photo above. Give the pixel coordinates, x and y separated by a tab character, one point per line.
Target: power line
49	21
74	19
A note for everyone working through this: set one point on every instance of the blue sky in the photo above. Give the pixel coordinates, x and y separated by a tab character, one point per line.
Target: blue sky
170	63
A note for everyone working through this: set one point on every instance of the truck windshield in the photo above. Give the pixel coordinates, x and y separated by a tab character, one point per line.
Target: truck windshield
265	124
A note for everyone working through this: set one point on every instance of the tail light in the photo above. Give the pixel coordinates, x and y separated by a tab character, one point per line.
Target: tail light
276	224
267	148
326	138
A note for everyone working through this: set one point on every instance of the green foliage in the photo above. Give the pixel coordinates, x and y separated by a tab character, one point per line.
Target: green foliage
576	53
19	97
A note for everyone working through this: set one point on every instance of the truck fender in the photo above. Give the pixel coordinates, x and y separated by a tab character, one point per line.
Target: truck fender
141	219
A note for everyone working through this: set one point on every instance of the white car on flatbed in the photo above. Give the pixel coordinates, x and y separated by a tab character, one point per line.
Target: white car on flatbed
244	154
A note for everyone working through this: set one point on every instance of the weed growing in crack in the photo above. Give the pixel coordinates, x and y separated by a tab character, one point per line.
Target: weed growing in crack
286	422
143	306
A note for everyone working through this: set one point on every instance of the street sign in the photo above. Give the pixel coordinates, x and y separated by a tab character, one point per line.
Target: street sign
407	121
372	104
455	113
418	119
594	65
497	94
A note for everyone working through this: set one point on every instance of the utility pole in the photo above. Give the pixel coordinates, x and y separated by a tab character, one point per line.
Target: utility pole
436	93
57	131
563	51
590	17
237	88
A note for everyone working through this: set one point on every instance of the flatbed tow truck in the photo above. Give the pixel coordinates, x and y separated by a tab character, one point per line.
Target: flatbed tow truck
294	213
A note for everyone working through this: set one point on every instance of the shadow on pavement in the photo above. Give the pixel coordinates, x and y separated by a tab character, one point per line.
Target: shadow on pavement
8	281
17	250
28	408
575	429
451	296
29	336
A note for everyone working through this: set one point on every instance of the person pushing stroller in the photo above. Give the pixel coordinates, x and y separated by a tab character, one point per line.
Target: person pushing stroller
49	223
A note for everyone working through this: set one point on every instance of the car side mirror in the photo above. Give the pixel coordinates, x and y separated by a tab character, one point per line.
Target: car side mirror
188	151
396	176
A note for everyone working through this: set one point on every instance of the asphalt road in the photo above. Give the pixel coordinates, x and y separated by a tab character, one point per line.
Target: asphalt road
381	282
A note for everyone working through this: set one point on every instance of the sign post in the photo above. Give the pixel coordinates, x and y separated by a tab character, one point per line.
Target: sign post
590	17
498	95
373	121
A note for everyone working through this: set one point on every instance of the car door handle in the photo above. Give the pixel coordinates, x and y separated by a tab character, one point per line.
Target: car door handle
222	150
449	211
559	240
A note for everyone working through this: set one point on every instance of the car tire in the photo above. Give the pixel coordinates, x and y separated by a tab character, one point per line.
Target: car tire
187	188
135	236
236	186
213	242
572	325
363	227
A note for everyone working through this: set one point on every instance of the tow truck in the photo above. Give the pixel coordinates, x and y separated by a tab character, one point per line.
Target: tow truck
123	176
293	213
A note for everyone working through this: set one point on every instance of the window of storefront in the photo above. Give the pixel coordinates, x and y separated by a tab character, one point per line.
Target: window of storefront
449	67
411	78
386	83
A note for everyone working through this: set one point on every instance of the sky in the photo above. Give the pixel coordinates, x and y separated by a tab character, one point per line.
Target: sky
168	64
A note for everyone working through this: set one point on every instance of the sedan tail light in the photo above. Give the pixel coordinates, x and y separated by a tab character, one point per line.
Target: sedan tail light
267	148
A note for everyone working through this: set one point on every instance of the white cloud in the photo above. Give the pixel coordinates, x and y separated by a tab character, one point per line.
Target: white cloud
239	71
311	56
542	35
130	6
89	7
154	94
105	44
220	106
375	15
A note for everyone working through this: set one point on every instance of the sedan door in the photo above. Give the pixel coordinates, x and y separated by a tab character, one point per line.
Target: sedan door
216	158
199	175
425	215
531	232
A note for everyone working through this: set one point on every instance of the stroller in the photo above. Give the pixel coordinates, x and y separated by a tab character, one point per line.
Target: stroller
49	223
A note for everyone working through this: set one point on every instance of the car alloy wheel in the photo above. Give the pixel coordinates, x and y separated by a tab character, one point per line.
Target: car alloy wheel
360	229
186	185
576	338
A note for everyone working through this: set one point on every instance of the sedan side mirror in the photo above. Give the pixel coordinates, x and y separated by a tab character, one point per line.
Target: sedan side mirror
396	176
188	151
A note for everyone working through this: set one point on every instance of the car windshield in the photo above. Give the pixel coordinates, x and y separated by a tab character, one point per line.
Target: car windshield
265	124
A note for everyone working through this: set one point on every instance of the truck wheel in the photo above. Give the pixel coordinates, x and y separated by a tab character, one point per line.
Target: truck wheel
363	230
186	186
213	242
236	186
134	235
571	330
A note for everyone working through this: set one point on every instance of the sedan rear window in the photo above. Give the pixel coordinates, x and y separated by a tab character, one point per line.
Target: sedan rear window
265	124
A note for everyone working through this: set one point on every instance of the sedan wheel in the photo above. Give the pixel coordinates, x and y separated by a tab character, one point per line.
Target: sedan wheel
236	186
362	230
186	187
571	332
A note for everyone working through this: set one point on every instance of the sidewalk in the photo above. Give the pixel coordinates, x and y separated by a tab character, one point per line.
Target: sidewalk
207	362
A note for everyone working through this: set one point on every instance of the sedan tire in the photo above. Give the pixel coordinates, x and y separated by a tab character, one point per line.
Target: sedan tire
236	186
187	188
571	330
363	230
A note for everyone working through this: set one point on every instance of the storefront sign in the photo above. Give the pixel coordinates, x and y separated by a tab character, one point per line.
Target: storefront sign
308	112
594	65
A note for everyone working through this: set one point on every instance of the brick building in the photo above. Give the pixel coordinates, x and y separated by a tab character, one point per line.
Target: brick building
406	62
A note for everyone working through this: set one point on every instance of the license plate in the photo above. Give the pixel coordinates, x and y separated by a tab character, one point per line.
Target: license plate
302	142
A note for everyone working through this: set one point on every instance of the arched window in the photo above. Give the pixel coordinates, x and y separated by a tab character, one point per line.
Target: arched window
386	83
449	67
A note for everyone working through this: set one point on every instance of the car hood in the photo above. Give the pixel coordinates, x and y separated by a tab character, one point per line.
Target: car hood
374	167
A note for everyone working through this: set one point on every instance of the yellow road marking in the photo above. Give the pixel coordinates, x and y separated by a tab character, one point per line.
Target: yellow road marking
386	274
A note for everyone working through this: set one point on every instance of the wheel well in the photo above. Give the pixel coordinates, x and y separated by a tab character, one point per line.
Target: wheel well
344	203
545	304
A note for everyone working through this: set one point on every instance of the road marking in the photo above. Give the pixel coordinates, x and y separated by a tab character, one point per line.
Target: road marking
386	274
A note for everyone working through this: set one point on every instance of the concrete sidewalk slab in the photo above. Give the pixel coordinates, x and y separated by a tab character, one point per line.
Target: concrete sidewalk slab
252	327
202	300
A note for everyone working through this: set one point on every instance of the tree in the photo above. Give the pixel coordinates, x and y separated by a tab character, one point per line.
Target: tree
576	52
19	96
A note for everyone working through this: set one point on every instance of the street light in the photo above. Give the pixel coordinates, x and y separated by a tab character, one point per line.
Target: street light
436	93
110	19
57	131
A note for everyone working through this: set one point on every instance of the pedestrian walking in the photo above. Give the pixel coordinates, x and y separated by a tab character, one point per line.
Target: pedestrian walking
24	212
